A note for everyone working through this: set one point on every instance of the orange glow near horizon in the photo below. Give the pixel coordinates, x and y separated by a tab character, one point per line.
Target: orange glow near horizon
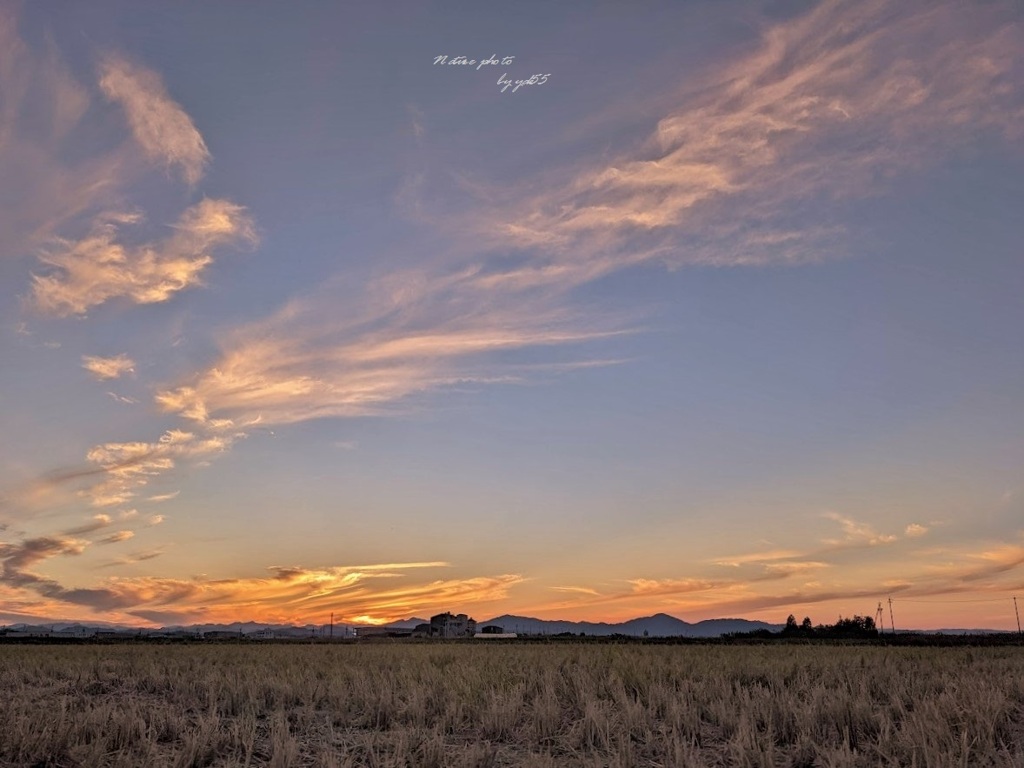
379	594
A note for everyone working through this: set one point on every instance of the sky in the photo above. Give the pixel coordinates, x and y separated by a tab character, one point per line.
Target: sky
705	308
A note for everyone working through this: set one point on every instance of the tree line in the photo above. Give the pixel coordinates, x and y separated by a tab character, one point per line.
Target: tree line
855	628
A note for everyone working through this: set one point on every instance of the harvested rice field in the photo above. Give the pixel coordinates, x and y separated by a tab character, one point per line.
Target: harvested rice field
459	704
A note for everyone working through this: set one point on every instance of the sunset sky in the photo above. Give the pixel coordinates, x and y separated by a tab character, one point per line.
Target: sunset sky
723	317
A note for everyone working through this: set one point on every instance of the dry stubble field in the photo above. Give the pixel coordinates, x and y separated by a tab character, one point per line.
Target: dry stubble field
419	704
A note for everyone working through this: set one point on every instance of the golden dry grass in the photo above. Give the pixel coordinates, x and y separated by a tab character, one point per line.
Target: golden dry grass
497	705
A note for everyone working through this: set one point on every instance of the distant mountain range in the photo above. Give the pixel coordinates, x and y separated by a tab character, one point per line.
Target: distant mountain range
659	625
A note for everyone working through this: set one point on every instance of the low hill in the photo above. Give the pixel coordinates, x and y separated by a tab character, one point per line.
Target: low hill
659	625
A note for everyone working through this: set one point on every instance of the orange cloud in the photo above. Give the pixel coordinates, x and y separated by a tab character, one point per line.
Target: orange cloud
856	532
97	268
103	368
116	538
287	595
758	557
304	364
128	466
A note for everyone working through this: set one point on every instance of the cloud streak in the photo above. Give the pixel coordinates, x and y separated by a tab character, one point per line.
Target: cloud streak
858	533
127	467
159	125
89	272
105	368
116	538
307	363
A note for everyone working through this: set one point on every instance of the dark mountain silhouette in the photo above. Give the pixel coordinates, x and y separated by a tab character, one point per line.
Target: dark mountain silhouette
659	625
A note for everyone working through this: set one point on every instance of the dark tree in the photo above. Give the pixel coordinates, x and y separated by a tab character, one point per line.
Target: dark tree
858	626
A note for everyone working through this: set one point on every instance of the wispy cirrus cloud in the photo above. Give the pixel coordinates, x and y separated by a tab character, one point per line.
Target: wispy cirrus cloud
117	537
578	590
133	557
656	587
795	567
43	104
736	561
104	368
163	496
124	399
307	362
97	522
832	105
97	268
856	533
966	567
126	467
159	124
115	473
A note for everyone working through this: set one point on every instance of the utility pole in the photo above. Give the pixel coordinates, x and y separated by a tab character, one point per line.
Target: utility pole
880	618
892	621
1016	612
332	625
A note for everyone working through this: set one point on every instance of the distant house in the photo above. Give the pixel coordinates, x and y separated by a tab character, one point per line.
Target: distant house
24	634
111	634
492	629
370	631
75	631
450	625
421	630
393	632
221	634
171	634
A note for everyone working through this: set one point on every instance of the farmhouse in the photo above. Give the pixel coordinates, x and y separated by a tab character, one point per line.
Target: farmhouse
449	625
494	632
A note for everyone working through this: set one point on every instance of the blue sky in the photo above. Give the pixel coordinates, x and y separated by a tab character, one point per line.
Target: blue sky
722	318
